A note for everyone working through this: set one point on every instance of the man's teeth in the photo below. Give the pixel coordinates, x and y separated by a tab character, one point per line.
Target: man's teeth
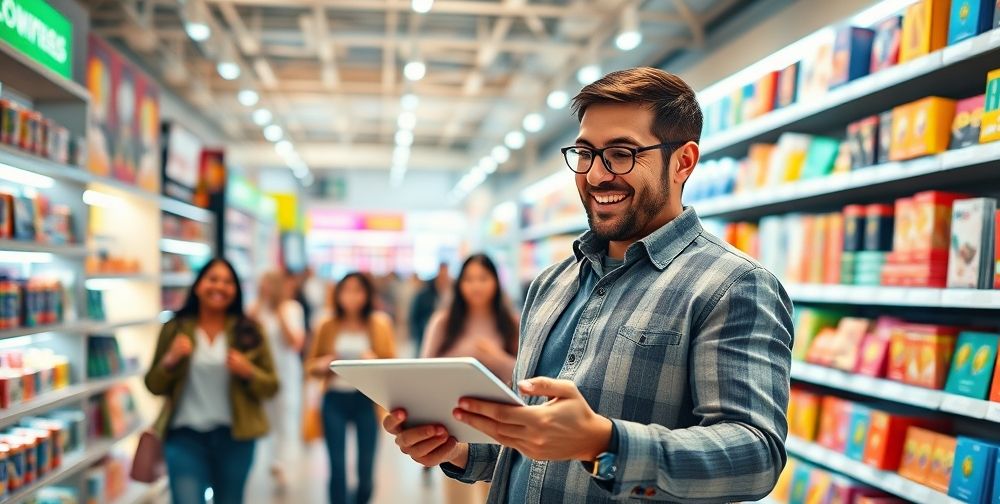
609	199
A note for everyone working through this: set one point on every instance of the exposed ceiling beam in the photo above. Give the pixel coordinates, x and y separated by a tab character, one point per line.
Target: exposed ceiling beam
694	24
247	42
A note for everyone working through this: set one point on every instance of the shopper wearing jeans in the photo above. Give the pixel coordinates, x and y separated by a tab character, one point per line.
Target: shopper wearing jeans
356	331
655	360
479	324
214	367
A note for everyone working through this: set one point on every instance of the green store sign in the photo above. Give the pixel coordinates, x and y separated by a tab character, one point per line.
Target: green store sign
37	30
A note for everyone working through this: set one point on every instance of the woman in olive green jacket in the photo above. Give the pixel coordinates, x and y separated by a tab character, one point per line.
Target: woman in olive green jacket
213	366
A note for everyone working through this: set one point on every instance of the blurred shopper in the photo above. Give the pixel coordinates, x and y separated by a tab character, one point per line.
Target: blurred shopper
312	294
356	331
215	368
432	297
283	321
479	323
405	295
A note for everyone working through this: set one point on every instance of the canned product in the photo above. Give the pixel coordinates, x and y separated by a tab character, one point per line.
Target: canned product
4	470
42	136
26	131
57	433
10	123
59	144
16	462
30	445
41	440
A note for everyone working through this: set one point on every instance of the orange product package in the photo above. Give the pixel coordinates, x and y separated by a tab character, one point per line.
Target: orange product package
834	423
803	414
920	354
850	334
834	248
925	29
942	463
823	347
902	126
995	386
931	132
917	451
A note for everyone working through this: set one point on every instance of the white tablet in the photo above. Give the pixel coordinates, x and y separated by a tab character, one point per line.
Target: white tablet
428	389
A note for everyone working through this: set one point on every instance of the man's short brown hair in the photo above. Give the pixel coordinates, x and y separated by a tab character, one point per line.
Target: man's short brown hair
676	114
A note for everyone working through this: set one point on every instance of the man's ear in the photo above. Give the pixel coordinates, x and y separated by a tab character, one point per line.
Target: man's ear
687	158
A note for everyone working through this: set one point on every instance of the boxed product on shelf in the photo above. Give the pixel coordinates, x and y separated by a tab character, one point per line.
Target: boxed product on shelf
104	357
851	331
820	157
972	475
971	255
874	354
972	365
834	423
26	374
112	413
107	481
879	222
809	321
942	463
885	46
801	481
969	18
803	413
27	219
925	29
995	387
920	354
788	85
859	429
863	140
783	488
968	122
28	130
917	450
990	129
931	131
886	135
815	72
996	464
852	54
788	158
886	438
920	245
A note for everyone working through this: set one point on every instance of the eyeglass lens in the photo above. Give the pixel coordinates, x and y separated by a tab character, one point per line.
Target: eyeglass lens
617	160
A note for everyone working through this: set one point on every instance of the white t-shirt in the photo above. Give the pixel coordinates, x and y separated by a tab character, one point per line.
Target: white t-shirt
350	345
287	362
205	403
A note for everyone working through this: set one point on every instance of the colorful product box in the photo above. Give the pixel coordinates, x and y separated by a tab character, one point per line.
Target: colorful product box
885	46
875	349
800	483
863	138
809	321
995	387
968	122
819	487
834	423
823	348
996	465
932	229
972	366
885	440
788	85
990	129
969	18
925	29
783	488
885	136
971	255
878	227
931	128
917	452
860	426
972	475
996	21
854	228
851	333
820	157
902	124
834	248
852	54
920	354
815	72
942	463
803	414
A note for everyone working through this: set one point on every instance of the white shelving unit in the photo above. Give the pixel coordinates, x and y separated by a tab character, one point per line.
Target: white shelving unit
55	399
177	279
884	480
895	296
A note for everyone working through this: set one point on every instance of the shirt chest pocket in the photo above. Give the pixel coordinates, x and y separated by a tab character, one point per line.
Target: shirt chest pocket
649	347
649	338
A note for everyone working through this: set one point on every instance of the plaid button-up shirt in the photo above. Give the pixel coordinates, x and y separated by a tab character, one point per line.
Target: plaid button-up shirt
687	348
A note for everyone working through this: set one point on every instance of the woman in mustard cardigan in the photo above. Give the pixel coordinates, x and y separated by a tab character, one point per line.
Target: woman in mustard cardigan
214	367
356	331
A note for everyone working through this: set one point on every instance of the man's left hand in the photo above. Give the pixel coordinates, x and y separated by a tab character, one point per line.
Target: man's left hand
564	428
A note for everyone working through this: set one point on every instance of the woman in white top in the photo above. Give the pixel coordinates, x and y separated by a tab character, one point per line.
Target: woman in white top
479	323
356	331
283	321
215	368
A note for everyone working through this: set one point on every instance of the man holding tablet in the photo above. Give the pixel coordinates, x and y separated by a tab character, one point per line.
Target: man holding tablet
655	360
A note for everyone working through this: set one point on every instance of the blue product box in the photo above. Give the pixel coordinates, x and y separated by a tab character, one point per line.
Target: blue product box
973	472
996	480
857	437
969	18
972	365
852	54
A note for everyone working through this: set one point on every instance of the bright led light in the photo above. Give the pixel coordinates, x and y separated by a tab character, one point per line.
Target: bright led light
628	40
515	140
300	171
409	101
248	97
487	165
100	284
24	177
273	133
404	138
422	6
400	155
262	116
284	148
199	32
228	70
8	256
407	121
588	74
99	199
415	70
182	247
533	123
500	154
557	99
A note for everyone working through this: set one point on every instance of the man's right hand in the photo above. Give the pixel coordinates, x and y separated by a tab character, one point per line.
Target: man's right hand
180	348
428	445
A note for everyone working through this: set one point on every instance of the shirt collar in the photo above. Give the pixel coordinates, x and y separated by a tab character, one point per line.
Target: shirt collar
660	246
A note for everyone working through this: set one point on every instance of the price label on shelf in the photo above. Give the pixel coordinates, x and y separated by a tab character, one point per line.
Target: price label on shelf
893	484
864	176
891	295
993	413
966	406
963	298
923	297
957	51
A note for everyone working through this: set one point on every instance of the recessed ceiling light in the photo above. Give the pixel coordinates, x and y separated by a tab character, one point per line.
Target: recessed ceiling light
409	101
588	74
488	165
422	6
248	97
500	154
628	40
515	140
404	138
262	116
557	99
415	70
284	147
273	133
407	121
533	123
228	70
199	32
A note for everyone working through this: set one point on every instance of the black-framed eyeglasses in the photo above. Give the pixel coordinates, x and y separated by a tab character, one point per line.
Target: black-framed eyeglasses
618	160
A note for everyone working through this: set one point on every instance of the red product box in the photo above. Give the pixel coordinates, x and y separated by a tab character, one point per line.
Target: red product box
834	423
920	354
875	349
835	248
887	437
995	387
851	332
823	348
932	227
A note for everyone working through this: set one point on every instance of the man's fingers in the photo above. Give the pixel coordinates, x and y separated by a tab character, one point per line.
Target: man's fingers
412	437
435	457
481	423
423	448
548	387
502	413
393	423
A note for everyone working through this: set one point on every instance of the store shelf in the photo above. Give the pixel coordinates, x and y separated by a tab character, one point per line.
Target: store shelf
105	327
896	392
68	327
32	79
185	247
566	226
55	399
943	73
903	176
72	464
177	279
137	277
186	210
895	296
142	493
884	480
36	164
43	248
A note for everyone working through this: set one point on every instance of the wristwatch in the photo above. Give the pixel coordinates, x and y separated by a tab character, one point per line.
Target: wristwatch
605	467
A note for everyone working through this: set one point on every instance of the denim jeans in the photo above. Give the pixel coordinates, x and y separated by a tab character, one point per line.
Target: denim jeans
199	460
339	409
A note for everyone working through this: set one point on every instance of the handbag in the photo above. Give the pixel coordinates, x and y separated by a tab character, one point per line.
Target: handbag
148	465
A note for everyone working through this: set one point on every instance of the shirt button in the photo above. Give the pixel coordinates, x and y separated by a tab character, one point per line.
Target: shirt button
601	291
650	492
637	491
572	358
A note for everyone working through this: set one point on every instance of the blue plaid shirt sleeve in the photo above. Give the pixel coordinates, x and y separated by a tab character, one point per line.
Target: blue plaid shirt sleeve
741	357
482	462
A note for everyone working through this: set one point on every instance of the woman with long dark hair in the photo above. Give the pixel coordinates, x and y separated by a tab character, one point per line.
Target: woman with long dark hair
479	323
356	331
215	369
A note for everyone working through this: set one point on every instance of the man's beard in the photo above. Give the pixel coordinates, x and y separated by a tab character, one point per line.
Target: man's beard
633	222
